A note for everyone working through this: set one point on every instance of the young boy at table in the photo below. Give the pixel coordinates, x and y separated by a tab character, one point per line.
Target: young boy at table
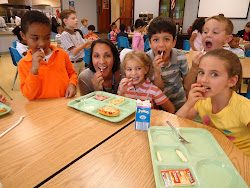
170	65
46	71
72	41
91	30
234	46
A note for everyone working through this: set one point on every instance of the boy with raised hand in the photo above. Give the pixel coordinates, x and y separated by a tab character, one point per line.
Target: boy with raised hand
72	41
171	73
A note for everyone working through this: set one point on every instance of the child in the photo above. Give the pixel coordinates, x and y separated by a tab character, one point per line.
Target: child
234	46
122	33
21	45
137	41
170	64
245	33
84	27
2	98
46	71
91	30
72	41
217	32
214	99
137	85
113	34
196	38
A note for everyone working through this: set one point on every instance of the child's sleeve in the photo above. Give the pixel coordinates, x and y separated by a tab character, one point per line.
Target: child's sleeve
183	63
30	83
70	70
135	41
244	110
159	97
66	41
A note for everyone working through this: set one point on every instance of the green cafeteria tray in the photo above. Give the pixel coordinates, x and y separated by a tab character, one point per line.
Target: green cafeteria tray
6	107
207	162
91	105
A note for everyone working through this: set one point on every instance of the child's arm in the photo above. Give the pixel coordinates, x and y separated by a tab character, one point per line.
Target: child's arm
168	106
135	41
191	41
75	50
191	77
123	86
158	63
70	91
187	110
2	98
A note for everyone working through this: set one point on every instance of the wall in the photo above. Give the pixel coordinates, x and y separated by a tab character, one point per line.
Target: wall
146	6
84	9
115	13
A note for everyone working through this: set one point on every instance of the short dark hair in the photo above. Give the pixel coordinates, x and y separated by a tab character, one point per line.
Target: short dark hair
198	24
139	23
16	32
65	14
122	27
33	16
248	24
116	65
91	27
161	24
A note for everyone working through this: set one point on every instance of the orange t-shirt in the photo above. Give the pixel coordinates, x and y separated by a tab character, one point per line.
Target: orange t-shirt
90	35
53	76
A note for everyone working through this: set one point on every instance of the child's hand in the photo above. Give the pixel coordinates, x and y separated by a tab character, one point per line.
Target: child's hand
2	98
37	57
89	41
158	63
195	94
123	86
196	60
97	81
71	91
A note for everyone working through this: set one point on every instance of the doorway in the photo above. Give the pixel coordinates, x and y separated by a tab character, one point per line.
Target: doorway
103	11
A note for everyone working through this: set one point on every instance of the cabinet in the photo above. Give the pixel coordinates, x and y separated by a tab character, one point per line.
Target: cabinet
180	39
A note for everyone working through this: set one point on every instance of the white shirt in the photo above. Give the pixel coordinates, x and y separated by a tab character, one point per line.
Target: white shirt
237	51
21	48
17	20
2	22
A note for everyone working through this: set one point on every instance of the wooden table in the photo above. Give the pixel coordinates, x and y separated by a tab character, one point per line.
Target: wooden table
50	137
125	161
245	62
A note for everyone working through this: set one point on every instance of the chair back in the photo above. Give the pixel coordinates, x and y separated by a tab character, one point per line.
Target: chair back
146	45
122	42
14	43
186	45
15	56
248	53
109	36
86	57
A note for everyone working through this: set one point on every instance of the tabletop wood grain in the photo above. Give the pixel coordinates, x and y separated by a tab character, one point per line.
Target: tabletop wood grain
51	136
125	161
245	62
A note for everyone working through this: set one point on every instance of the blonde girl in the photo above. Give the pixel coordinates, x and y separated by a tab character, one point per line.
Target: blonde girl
137	85
213	97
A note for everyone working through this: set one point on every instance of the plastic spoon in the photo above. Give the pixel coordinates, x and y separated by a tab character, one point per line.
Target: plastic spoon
102	68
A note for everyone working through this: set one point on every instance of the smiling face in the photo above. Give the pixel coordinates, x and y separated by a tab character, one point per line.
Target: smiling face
235	42
136	71
103	59
214	77
38	37
71	22
162	44
214	35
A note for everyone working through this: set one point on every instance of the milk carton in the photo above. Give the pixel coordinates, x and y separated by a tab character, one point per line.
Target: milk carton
142	117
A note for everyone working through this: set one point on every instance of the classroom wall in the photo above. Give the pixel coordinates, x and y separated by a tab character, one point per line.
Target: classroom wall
84	9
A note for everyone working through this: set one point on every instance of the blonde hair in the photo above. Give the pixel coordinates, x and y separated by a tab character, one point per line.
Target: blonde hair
83	20
220	18
141	58
233	65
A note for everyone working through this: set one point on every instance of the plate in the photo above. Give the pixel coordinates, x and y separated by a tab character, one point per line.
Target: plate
207	162
8	109
91	105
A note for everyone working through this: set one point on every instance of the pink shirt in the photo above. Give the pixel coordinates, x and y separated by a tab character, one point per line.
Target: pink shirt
197	41
138	42
147	91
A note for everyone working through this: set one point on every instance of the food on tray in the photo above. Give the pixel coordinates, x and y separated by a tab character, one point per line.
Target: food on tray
177	178
117	101
109	111
2	110
100	98
181	155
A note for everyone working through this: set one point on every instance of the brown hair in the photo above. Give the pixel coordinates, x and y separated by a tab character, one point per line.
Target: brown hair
233	65
65	14
83	20
229	25
140	57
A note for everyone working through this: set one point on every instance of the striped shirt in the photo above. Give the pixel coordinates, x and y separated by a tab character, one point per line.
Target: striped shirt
172	77
72	39
147	91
